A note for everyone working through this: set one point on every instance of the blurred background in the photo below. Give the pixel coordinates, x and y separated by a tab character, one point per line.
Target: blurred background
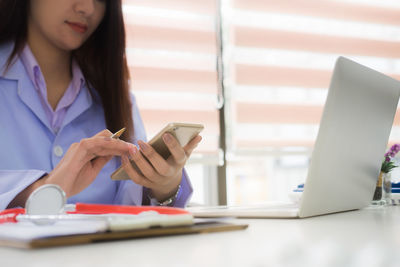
255	73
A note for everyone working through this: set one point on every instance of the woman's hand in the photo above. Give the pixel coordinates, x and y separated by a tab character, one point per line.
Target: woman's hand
161	176
79	167
84	160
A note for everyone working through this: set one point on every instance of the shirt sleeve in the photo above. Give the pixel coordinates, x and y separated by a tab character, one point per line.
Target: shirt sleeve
183	197
132	194
12	182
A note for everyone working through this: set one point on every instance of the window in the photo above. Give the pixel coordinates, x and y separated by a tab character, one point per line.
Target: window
171	51
277	57
278	60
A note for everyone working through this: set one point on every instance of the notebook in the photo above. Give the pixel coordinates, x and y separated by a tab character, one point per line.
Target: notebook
31	236
351	141
89	223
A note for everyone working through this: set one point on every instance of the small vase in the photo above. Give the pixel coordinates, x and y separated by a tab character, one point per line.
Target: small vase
383	189
387	188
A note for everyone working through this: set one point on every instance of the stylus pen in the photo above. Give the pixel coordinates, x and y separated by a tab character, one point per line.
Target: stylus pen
118	134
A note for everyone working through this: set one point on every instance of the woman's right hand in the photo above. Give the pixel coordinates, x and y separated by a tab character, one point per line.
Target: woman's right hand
80	166
84	160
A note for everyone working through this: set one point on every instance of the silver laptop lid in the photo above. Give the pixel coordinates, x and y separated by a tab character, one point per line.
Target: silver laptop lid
352	138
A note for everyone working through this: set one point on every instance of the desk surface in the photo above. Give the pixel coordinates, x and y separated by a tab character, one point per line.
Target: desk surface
369	237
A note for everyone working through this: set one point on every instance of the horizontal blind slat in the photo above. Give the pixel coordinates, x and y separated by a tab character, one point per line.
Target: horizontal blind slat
169	59
171	101
203	6
281	113
326	9
285	76
209	118
264	38
277	113
282	76
153	78
170	39
261	144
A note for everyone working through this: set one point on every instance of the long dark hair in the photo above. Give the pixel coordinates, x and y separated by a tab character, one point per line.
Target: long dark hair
101	58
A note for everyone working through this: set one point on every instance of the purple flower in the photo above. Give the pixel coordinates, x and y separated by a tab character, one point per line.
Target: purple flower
394	149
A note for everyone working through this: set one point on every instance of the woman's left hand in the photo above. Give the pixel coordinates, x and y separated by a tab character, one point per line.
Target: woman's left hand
161	176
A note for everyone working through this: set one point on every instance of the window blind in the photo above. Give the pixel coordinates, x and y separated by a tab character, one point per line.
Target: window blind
279	57
171	52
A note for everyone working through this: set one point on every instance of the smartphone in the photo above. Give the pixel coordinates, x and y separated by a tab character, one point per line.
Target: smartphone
183	132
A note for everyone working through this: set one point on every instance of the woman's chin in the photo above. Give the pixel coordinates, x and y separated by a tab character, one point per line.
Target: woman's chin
70	45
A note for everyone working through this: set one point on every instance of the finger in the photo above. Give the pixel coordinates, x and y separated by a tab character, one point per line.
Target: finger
134	175
145	167
100	162
175	148
158	162
124	160
114	148
192	145
90	148
105	132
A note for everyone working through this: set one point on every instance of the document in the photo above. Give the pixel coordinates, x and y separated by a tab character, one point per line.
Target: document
25	231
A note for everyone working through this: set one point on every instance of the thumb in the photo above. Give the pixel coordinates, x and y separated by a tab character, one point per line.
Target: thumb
192	145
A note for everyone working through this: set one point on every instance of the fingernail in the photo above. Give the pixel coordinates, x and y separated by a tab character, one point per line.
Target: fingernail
167	138
132	150
144	146
107	138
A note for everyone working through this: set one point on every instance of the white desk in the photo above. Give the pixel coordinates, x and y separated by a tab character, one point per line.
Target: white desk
368	237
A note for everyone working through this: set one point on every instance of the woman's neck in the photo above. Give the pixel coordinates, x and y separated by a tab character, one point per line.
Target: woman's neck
55	65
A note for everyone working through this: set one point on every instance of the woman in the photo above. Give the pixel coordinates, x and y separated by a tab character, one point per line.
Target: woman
63	80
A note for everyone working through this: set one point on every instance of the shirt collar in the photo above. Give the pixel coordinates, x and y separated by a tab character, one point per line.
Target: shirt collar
30	64
34	72
77	78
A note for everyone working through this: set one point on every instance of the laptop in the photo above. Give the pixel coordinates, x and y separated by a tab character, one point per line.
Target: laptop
348	152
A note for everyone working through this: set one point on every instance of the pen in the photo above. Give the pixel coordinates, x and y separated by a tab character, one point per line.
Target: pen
118	134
